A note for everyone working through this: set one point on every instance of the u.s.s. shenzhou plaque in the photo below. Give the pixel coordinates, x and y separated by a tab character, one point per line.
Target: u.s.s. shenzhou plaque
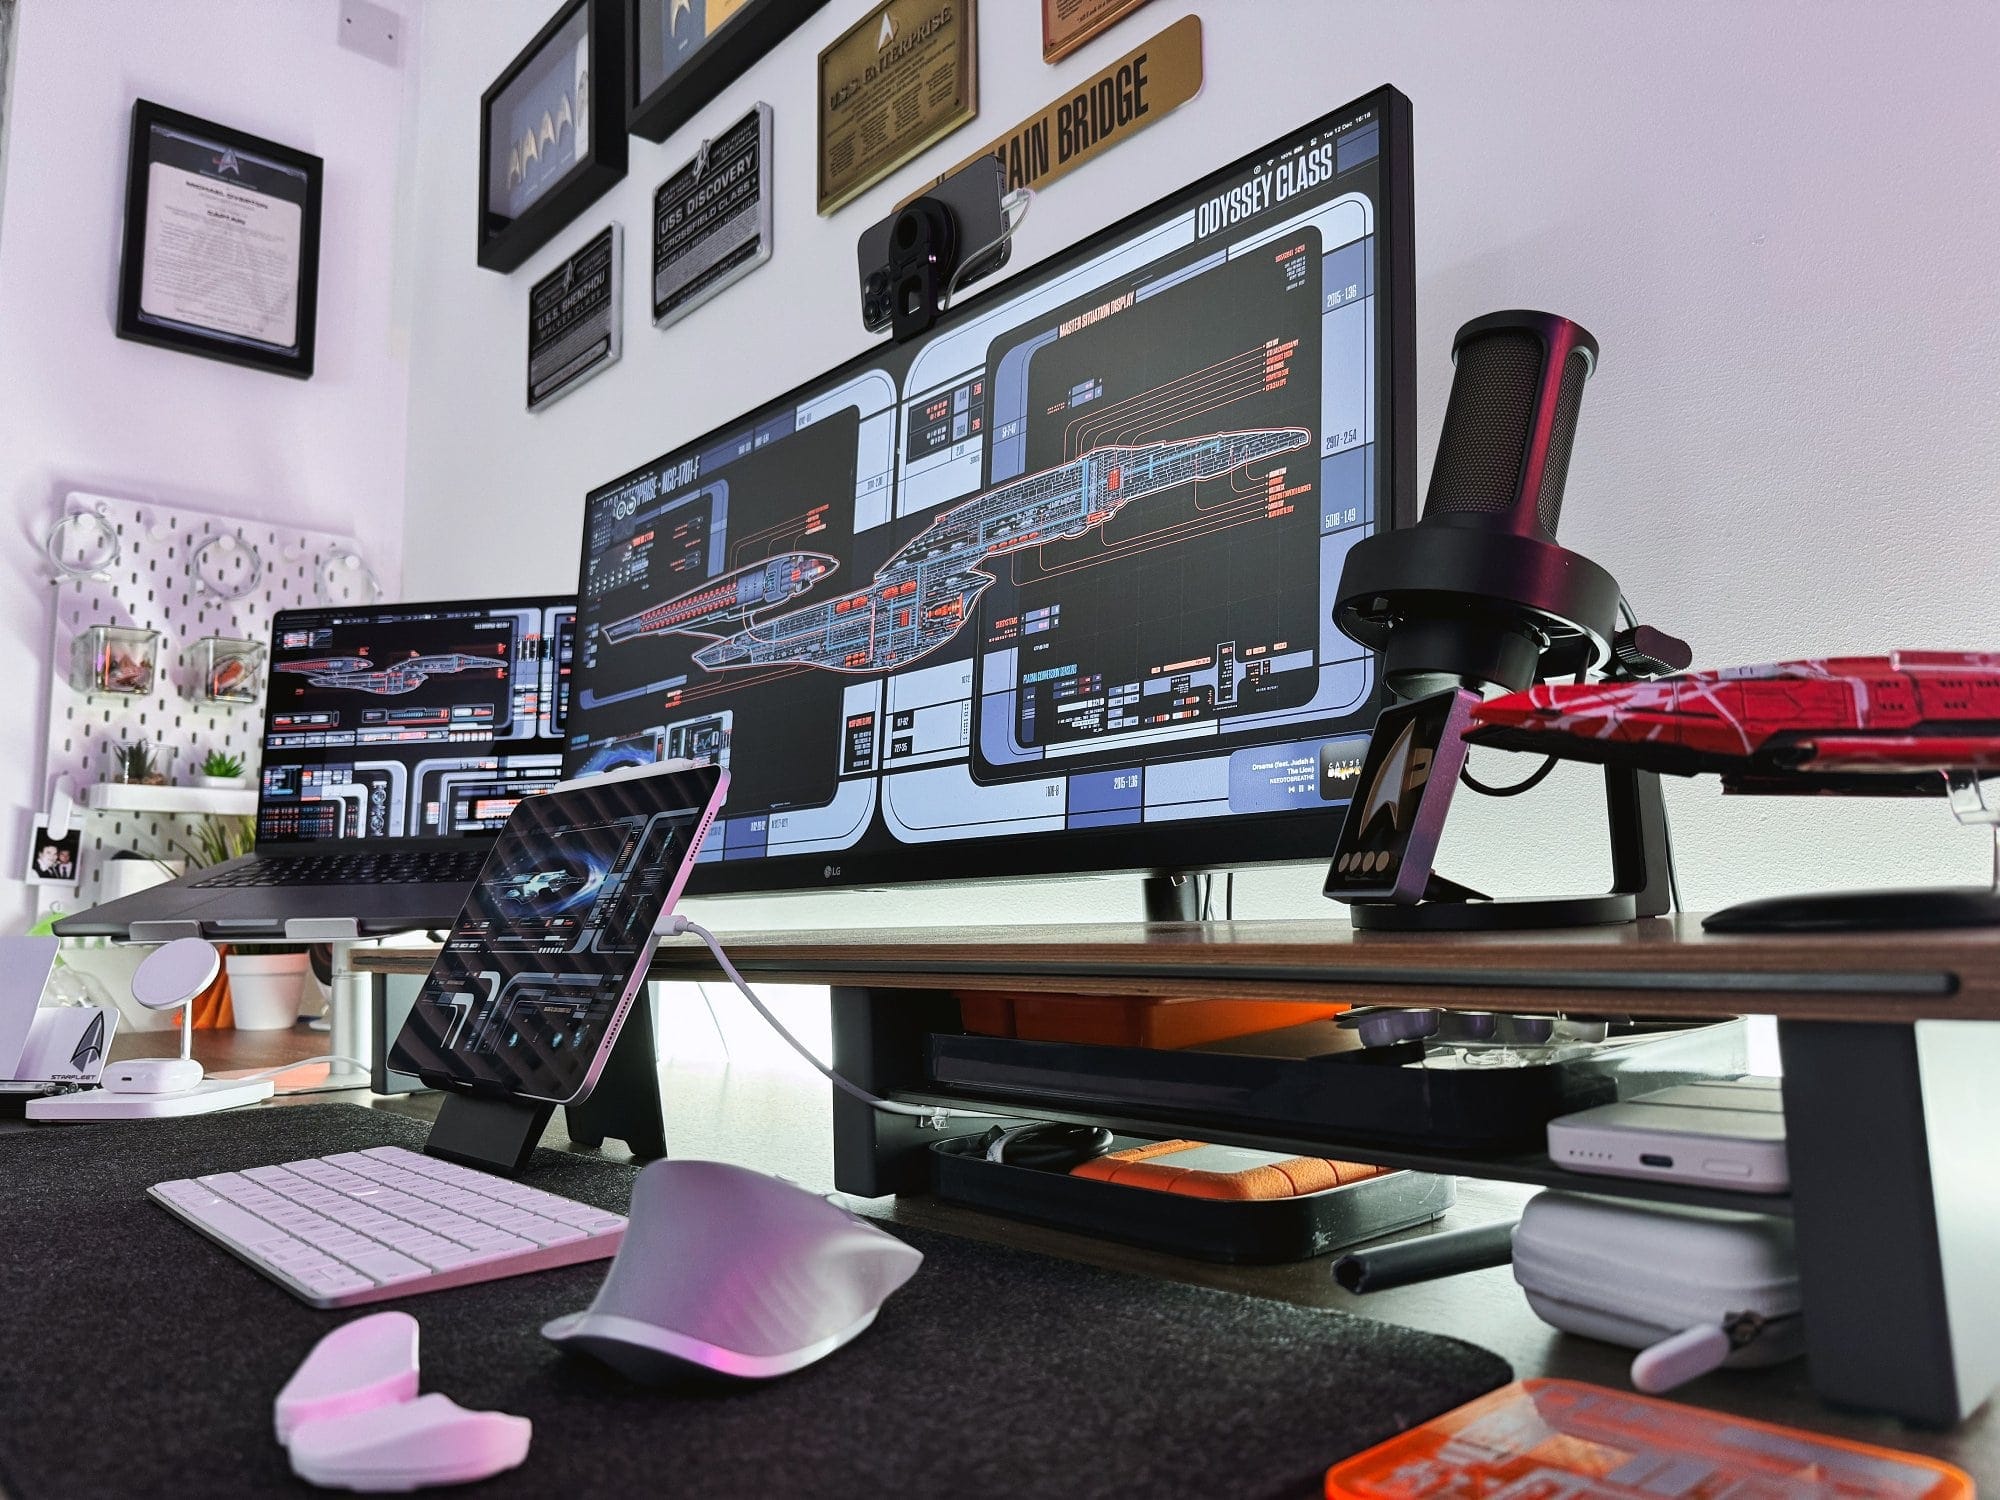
574	319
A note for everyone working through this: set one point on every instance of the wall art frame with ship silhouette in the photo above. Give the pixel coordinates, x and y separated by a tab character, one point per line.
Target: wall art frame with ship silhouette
551	132
199	194
680	54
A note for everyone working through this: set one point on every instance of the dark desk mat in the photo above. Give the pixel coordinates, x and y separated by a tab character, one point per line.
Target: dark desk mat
141	1359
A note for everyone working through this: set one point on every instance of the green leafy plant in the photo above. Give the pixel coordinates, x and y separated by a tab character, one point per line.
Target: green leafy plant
220	763
217	837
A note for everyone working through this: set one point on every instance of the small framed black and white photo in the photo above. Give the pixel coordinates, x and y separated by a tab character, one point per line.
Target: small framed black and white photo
551	132
54	859
221	252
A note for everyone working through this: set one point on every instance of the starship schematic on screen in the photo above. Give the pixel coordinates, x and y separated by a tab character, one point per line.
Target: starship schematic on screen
357	674
923	595
733	596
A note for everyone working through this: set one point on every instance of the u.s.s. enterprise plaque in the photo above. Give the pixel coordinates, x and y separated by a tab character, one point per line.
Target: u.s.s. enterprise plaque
905	76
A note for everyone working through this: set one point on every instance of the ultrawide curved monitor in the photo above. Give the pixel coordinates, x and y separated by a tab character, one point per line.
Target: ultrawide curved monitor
1049	589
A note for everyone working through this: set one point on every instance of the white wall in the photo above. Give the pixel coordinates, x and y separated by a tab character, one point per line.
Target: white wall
79	408
1779	219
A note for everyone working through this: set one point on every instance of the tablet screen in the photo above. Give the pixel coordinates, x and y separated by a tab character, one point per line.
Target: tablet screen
553	941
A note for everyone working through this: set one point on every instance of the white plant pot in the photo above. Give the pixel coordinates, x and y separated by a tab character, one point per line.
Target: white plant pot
219	783
264	989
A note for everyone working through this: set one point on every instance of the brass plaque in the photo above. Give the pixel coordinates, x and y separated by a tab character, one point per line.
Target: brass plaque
1151	80
1068	24
906	76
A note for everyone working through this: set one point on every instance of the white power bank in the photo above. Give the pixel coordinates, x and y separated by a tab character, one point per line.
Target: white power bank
1725	1135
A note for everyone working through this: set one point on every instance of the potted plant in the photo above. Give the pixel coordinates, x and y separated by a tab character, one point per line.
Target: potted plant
266	984
220	771
141	762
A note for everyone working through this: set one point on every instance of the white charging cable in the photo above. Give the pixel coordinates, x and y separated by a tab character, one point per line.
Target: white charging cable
674	924
306	1062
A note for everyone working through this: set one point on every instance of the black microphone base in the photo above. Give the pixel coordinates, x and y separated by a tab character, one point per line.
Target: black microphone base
1900	910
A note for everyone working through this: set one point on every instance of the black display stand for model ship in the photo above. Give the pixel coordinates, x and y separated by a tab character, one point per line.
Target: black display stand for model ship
500	1132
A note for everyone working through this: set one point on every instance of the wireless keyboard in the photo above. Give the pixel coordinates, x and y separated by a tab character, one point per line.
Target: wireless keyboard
364	1226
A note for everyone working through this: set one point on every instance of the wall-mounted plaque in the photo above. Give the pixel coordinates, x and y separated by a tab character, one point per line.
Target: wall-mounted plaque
551	132
685	52
574	319
904	77
221	243
712	218
1155	77
1068	24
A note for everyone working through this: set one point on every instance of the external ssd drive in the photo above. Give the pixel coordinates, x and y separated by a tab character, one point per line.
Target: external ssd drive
1680	1135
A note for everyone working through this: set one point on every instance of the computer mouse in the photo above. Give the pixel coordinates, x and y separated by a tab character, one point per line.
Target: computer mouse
728	1275
389	1449
361	1365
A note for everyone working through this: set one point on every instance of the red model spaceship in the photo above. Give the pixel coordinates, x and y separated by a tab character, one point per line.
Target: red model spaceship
1868	724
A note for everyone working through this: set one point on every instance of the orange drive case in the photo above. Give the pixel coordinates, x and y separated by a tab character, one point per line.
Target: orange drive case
1195	1169
1111	1021
1542	1436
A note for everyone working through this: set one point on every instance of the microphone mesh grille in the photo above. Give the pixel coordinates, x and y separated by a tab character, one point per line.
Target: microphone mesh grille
1562	437
1486	424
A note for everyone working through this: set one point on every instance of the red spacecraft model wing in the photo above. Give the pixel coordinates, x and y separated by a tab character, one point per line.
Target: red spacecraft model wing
1869	724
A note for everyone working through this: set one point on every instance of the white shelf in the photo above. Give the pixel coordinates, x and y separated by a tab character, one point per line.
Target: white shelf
115	796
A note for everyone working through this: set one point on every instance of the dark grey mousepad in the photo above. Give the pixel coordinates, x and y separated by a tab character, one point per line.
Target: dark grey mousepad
142	1360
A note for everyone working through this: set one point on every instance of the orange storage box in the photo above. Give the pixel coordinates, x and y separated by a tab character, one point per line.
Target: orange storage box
1121	1021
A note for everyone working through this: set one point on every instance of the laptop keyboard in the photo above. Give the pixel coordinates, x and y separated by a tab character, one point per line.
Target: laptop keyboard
365	1226
358	867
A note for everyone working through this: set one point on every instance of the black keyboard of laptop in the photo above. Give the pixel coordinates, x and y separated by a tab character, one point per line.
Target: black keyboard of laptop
357	867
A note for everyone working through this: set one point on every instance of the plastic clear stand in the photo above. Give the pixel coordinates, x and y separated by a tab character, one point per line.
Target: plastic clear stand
1975	801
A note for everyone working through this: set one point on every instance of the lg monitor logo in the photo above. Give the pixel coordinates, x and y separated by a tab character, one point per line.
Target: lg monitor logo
833	872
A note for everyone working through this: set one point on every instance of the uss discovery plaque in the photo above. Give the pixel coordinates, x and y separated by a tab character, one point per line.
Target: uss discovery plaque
712	218
904	77
573	319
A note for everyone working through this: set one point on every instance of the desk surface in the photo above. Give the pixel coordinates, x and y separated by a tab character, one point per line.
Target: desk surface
1664	966
776	1121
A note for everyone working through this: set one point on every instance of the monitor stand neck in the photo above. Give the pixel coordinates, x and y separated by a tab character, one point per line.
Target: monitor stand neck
499	1134
1173	896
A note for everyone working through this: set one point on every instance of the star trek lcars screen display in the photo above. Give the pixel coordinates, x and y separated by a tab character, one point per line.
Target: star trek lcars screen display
555	935
1050	588
412	720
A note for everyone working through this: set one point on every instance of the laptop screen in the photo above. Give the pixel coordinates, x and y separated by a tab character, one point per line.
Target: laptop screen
426	721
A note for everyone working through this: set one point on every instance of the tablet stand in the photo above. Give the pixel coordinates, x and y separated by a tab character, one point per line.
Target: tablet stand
499	1133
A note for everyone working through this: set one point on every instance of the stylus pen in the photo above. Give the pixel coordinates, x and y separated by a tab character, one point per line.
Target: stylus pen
1424	1259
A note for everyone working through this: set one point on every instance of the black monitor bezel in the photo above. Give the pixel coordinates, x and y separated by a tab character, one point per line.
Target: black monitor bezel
1152	848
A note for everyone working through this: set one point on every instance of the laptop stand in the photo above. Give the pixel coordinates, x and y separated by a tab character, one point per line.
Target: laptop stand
499	1134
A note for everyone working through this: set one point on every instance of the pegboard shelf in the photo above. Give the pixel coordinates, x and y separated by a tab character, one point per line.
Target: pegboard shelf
119	796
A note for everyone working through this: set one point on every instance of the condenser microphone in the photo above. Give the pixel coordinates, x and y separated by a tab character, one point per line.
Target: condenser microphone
1478	594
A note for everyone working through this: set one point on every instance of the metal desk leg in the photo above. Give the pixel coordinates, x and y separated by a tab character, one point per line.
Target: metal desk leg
1892	1133
350	1005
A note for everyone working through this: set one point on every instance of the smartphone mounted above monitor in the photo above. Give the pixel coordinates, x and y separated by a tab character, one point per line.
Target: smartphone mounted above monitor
1479	597
914	260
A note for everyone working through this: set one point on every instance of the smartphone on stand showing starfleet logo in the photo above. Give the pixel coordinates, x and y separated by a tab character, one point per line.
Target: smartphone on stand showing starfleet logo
531	988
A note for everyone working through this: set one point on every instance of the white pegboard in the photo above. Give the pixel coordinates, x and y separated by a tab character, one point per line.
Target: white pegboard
157	583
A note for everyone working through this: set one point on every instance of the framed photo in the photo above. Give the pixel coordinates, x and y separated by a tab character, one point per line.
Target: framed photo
221	254
682	53
54	861
551	132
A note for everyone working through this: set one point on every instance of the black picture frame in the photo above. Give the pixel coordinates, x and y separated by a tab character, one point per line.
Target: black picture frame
507	239
171	138
710	65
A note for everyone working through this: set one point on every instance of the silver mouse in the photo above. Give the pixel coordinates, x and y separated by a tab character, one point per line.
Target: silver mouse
725	1272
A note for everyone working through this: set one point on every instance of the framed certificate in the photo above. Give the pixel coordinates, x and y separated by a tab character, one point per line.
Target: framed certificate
221	254
683	53
903	77
551	132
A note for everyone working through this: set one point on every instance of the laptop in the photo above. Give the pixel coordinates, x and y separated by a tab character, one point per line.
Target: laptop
397	739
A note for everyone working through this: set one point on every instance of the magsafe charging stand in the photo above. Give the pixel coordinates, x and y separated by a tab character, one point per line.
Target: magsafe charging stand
158	1088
